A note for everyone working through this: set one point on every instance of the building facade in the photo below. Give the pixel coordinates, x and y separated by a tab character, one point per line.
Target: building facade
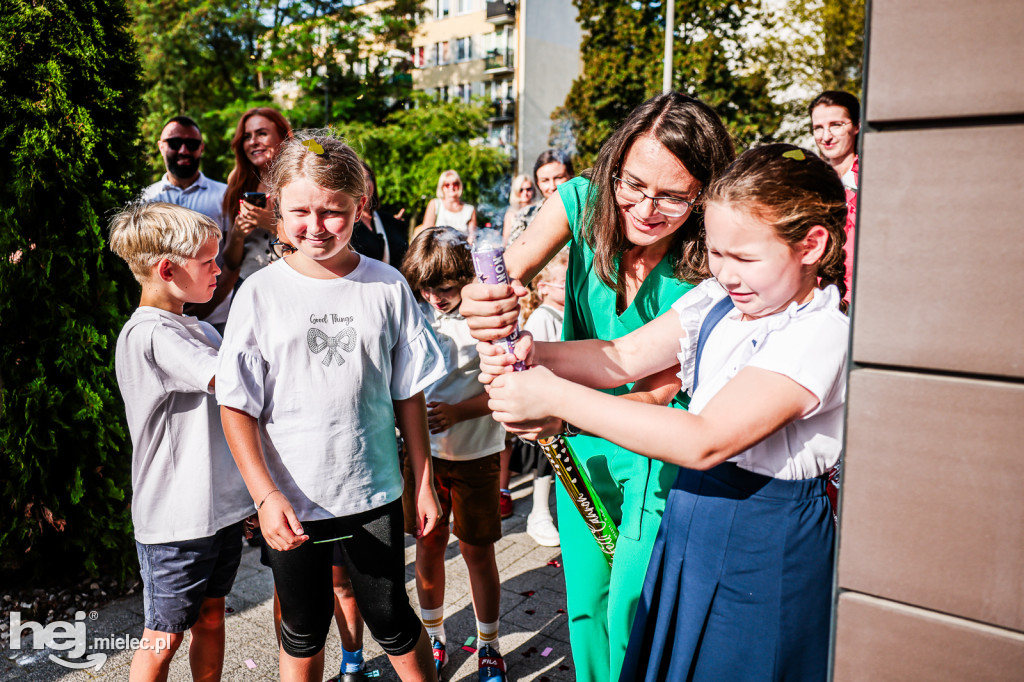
521	57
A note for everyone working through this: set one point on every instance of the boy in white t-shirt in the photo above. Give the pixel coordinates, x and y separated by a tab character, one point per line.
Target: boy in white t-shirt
188	498
465	443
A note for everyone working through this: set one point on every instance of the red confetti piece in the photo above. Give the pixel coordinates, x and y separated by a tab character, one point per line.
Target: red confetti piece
528	593
563	667
560	611
530	612
555	562
228	609
469	649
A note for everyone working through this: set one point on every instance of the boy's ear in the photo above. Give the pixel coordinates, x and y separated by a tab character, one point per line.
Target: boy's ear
814	245
165	270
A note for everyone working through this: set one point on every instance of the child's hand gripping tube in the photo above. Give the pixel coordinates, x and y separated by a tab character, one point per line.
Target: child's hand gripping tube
489	264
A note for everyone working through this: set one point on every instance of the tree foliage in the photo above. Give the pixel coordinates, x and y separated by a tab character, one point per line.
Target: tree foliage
413	147
623	48
325	59
812	45
70	77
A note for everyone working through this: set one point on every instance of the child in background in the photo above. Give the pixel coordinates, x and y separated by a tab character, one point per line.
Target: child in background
188	501
740	582
323	351
542	311
465	443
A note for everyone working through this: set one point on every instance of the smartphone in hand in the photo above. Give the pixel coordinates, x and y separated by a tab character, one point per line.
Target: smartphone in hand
255	198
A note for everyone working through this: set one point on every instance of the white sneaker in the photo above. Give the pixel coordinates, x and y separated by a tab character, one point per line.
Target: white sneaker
542	530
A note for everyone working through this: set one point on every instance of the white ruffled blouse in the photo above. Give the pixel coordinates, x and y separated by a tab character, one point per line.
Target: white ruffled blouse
806	343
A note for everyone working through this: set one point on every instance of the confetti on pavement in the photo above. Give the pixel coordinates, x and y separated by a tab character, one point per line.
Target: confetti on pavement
250	664
547	651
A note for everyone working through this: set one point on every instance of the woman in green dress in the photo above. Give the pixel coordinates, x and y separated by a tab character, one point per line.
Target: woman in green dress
627	222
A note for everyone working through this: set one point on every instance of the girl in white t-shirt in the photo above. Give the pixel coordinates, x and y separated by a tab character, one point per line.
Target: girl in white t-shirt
739	585
324	351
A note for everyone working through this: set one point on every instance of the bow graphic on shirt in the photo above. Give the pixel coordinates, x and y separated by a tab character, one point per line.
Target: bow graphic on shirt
318	341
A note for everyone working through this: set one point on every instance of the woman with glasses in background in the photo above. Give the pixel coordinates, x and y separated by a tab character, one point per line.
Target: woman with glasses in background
449	209
835	124
627	222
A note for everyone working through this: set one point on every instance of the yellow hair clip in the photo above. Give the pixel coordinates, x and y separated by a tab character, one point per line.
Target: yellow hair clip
314	146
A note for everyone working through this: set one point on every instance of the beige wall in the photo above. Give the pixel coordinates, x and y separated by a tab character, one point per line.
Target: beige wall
930	571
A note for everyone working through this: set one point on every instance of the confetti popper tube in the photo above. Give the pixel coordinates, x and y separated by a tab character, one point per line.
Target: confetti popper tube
489	264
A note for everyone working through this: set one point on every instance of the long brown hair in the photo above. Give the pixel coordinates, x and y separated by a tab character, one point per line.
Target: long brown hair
245	178
793	190
695	135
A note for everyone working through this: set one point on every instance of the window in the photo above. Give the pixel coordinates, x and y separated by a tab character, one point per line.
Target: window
441	8
465	6
463	49
419	57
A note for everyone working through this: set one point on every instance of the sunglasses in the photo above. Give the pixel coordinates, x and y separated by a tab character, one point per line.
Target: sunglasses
190	143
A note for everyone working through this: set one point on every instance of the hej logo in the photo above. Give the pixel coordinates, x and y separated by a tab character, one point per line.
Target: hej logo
59	636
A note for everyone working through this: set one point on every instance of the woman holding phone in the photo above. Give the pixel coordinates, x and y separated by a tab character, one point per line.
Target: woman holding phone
257	137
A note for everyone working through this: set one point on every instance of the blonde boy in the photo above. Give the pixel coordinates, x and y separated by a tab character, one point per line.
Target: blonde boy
188	497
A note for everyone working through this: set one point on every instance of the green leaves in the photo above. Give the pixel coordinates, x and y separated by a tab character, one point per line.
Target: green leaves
414	146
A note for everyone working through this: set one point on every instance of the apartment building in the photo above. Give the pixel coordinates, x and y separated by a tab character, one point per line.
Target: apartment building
522	57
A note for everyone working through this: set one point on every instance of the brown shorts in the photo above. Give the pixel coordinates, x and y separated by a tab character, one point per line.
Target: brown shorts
466	490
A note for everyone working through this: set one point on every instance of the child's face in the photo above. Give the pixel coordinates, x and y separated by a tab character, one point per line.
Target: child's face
445	298
197	278
762	273
552	287
318	221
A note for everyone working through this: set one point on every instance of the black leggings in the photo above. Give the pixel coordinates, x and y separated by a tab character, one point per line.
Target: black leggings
375	558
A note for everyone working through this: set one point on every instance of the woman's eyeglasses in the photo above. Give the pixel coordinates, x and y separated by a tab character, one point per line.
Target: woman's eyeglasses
526	189
834	128
671	207
190	143
281	249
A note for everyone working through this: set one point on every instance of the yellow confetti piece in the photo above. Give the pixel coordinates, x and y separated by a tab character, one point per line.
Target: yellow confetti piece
796	154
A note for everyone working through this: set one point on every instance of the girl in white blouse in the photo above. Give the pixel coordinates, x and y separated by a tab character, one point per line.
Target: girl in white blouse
739	584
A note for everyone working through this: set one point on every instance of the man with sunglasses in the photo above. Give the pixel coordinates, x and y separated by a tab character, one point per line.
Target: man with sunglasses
181	146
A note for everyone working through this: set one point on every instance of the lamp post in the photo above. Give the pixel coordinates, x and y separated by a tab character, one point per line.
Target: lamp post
670	20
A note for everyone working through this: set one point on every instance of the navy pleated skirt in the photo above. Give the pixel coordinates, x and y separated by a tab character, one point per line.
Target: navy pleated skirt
740	582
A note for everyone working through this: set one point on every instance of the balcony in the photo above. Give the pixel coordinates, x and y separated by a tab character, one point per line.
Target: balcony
503	110
499	13
499	61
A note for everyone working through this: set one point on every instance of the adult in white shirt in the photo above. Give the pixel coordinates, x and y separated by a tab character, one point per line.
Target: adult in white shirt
181	146
449	209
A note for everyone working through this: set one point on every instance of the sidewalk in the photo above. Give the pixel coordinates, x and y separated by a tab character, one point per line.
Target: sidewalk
533	620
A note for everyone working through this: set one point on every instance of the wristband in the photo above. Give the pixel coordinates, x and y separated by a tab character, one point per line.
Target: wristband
571	430
275	490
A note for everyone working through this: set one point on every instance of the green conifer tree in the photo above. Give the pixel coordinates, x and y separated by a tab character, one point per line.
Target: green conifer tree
69	130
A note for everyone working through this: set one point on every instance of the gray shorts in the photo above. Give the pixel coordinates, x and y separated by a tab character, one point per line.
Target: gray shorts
178	576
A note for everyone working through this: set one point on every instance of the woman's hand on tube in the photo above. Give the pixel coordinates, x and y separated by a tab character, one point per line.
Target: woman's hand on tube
494	361
491	310
281	528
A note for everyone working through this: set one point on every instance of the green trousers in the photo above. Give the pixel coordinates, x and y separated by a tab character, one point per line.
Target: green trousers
601	599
